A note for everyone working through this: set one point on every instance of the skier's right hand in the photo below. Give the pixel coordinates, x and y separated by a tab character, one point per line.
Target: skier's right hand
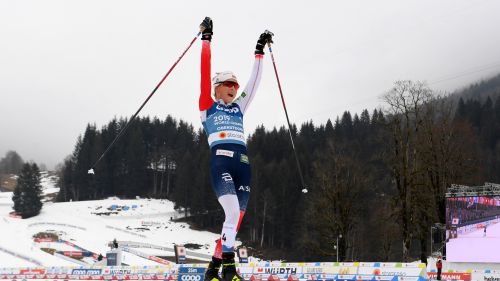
206	28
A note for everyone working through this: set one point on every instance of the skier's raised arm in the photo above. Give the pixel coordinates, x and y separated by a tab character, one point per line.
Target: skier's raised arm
205	86
248	93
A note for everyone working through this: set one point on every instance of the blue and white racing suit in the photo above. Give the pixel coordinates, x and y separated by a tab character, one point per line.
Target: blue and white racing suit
229	163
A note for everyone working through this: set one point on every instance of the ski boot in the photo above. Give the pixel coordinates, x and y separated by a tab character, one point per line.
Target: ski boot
212	273
229	268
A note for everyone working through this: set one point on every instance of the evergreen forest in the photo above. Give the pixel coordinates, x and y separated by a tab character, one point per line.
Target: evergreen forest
376	178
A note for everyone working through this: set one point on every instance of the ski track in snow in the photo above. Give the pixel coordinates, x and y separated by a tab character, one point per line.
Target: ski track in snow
94	232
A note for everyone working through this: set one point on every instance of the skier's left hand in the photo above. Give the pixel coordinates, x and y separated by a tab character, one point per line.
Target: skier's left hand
264	38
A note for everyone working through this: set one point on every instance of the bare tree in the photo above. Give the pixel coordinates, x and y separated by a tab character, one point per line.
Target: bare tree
405	116
447	154
446	157
339	180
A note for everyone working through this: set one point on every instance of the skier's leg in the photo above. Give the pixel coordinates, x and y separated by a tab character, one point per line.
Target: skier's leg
218	246
230	205
242	185
223	185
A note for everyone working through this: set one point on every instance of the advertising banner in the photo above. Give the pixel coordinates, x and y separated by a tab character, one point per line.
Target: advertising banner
337	269
191	274
391	271
485	276
450	276
278	270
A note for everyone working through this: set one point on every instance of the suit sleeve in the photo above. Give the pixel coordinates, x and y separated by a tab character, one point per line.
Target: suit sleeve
248	93
205	85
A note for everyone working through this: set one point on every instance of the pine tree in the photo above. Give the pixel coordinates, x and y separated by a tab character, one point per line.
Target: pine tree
27	195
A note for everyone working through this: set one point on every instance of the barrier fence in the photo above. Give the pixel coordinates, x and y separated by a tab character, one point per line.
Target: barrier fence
251	271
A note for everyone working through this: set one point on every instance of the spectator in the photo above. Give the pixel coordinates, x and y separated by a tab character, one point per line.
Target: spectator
439	266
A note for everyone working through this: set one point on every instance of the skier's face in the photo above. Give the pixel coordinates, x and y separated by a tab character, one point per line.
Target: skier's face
226	91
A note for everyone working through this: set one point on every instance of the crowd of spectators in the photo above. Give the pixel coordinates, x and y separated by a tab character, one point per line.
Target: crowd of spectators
468	213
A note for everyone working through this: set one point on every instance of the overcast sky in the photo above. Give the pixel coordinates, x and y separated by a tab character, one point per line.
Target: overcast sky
64	64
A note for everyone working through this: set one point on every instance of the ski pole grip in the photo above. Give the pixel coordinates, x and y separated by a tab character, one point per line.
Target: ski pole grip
268	32
270	38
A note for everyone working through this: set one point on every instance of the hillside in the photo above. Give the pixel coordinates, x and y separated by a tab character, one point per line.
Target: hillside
91	225
7	182
479	91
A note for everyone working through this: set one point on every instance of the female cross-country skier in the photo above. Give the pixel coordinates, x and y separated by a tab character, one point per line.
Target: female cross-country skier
222	120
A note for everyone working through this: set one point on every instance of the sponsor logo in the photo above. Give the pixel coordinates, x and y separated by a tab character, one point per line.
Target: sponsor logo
244	188
118	271
32	271
280	270
39	240
222	135
226	177
244	159
191	274
223	152
455	276
236	136
229	110
86	272
314	270
392	273
186	277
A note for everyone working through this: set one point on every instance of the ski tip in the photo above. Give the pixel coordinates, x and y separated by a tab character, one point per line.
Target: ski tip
304	190
91	171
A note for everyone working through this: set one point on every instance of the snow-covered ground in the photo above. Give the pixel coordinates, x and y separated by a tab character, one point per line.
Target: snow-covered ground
48	182
92	225
475	246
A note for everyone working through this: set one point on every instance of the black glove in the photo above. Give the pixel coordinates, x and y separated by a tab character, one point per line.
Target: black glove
266	37
207	29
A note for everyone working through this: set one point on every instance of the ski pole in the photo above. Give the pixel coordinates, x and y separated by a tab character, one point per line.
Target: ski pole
122	131
304	188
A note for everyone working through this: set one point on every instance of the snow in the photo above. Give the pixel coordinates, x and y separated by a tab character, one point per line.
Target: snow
49	183
85	224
